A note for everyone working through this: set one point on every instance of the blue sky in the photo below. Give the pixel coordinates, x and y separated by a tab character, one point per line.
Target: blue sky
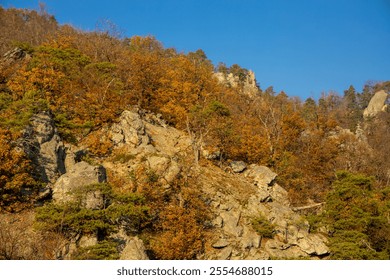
304	47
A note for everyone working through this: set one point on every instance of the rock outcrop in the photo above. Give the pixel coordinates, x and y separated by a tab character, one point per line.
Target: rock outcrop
82	174
134	250
44	147
130	130
377	104
248	85
238	166
236	202
262	176
154	148
235	199
14	55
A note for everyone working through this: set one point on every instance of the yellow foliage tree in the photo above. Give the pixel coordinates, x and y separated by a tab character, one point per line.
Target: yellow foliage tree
15	174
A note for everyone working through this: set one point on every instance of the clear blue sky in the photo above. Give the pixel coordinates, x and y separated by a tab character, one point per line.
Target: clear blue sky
303	47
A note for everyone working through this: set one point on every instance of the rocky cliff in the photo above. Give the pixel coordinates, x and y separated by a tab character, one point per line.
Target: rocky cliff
246	83
377	104
236	196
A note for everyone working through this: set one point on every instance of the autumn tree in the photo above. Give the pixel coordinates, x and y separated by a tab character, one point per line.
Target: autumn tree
211	126
25	26
281	123
187	82
143	70
180	226
310	111
15	173
18	241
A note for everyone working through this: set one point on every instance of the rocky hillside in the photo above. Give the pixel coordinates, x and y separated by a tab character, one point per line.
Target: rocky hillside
236	197
119	148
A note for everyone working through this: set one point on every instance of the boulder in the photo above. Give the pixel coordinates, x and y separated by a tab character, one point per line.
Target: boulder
221	243
134	250
314	245
261	175
238	166
230	222
376	105
87	241
225	253
80	175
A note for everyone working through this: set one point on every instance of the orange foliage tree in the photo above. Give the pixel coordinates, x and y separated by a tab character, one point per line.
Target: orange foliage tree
181	227
15	177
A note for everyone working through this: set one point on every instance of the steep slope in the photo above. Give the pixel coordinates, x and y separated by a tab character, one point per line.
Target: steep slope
145	147
234	199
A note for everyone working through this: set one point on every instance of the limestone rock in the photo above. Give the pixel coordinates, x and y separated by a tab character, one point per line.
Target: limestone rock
261	175
44	147
360	135
313	245
264	194
225	253
164	167
279	194
228	79
129	130
226	206
234	199
215	155
167	140
230	222
376	105
279	250
14	55
218	222
73	154
238	166
134	250
248	85
250	239
80	175
87	240
292	239
221	243
255	206
43	126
